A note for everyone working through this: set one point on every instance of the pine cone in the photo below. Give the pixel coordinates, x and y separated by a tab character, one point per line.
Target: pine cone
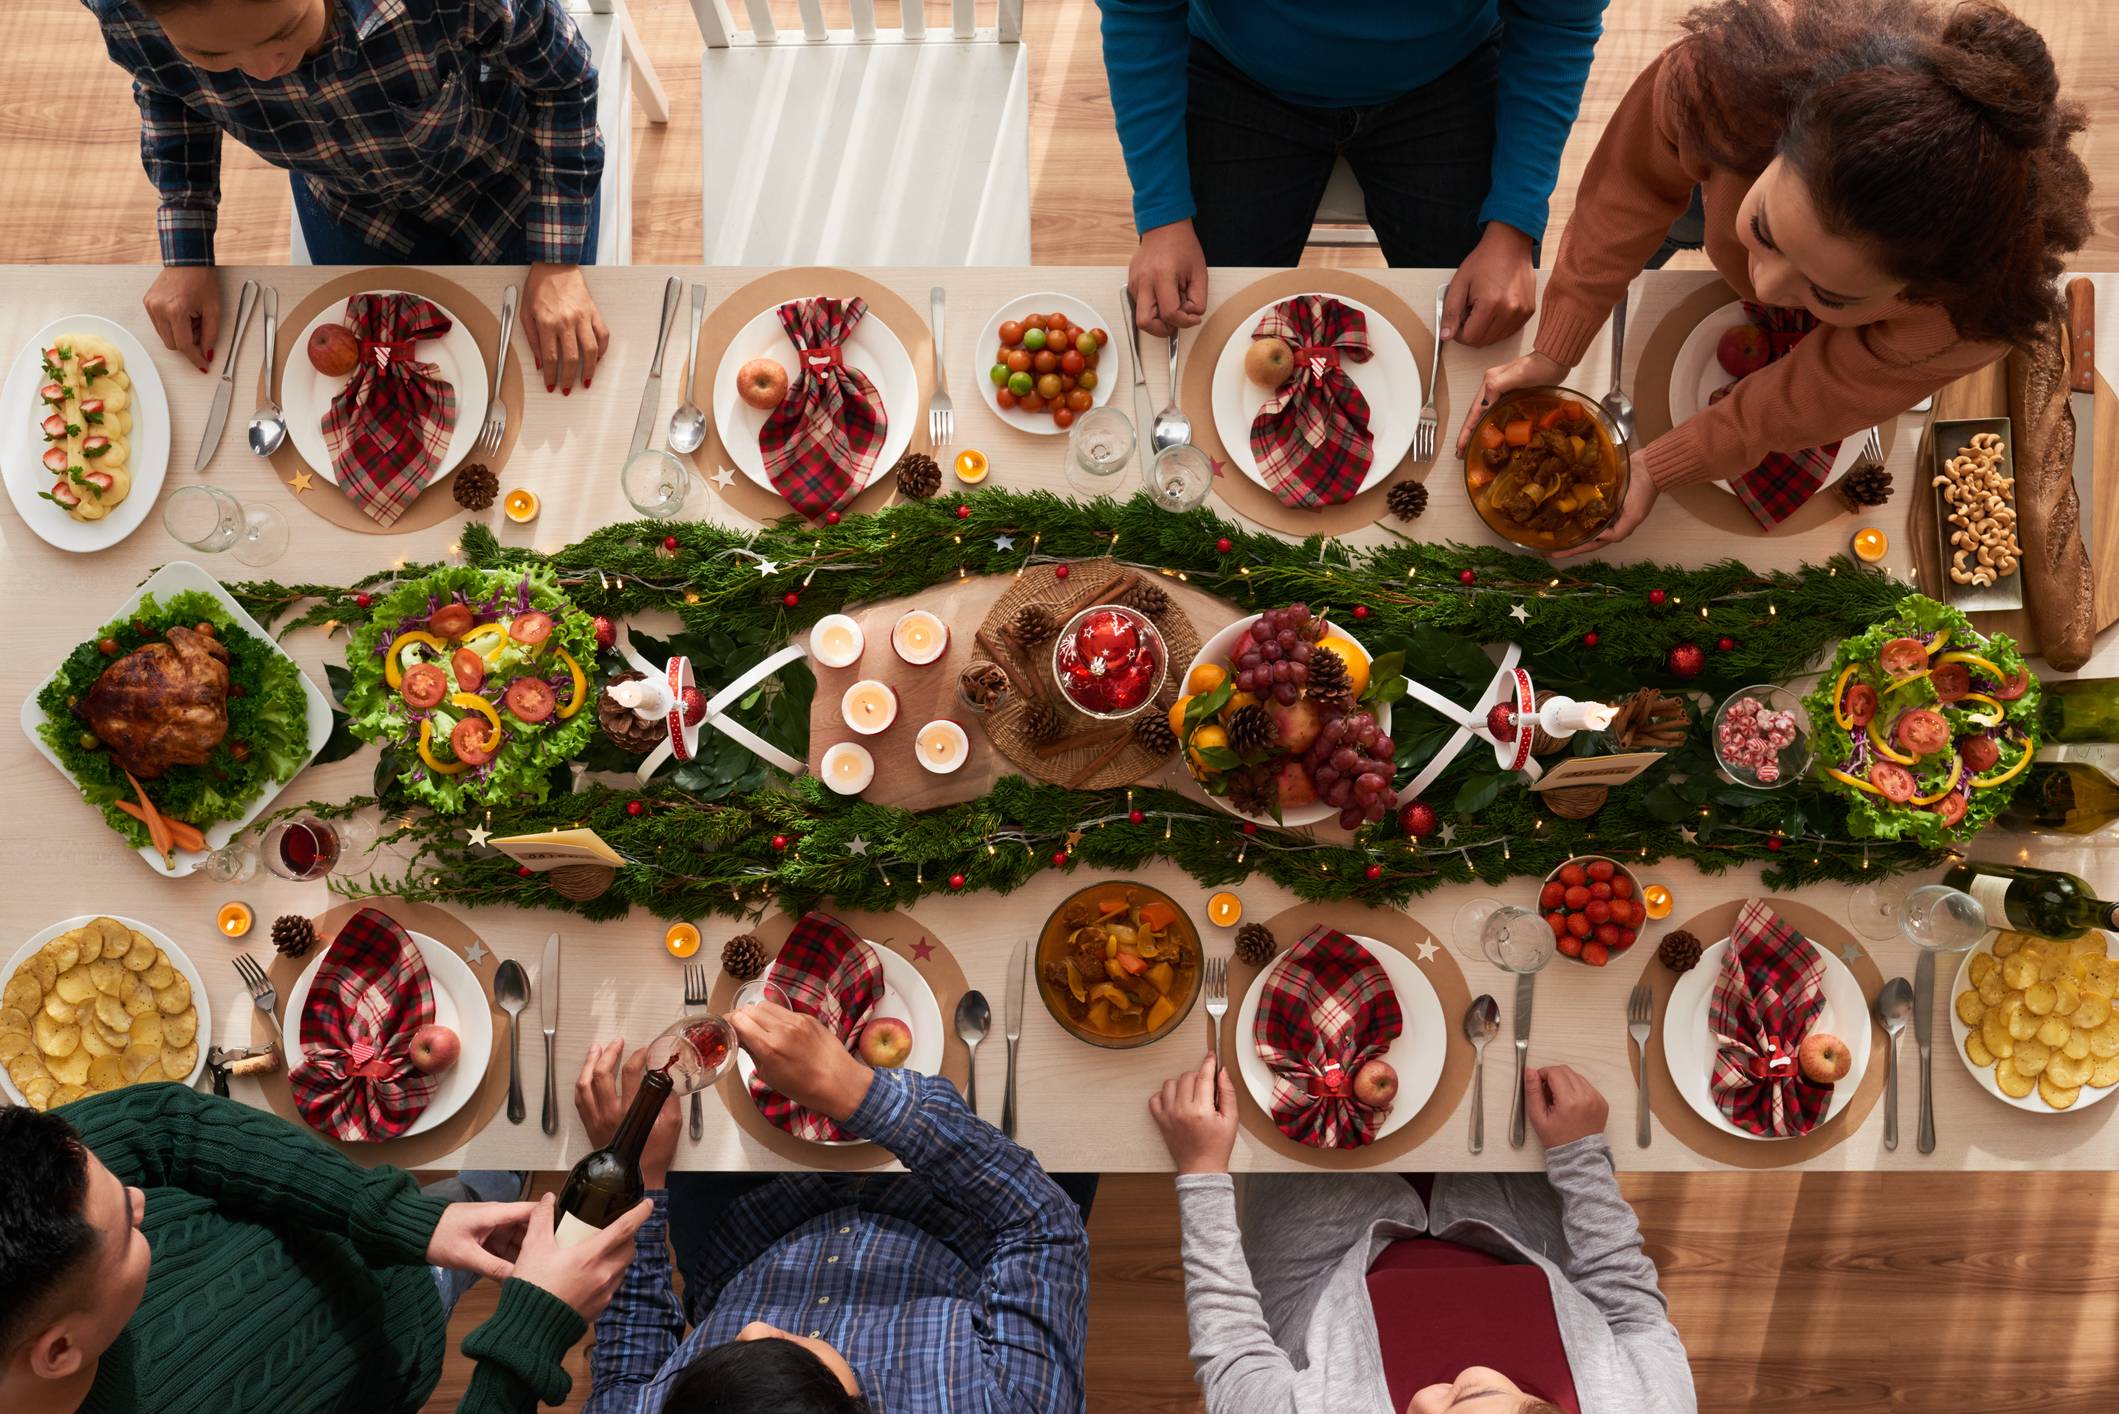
1328	681
1252	791
1255	944
1868	486
293	935
918	476
1679	951
1149	598
1151	729
619	723
1032	625
1041	722
743	957
475	486
1407	500
1252	730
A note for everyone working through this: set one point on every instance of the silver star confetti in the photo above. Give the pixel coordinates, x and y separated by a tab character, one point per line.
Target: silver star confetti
1425	948
1689	835
1851	953
768	568
722	476
1004	542
857	845
1520	614
475	953
1449	833
480	834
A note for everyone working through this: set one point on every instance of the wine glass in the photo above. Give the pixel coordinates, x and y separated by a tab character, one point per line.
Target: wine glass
695	1052
1516	940
1877	906
1939	918
656	483
1179	477
232	863
308	848
1098	445
210	520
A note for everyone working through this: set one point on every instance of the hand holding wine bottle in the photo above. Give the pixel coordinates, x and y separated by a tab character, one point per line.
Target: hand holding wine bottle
585	1274
602	1097
797	1057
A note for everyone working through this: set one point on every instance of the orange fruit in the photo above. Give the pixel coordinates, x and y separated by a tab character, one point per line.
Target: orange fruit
1205	678
971	466
1206	738
1357	662
1177	717
1236	703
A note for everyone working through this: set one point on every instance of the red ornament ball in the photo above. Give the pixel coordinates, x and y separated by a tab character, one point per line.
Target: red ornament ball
634	807
780	842
1417	818
963	513
1725	643
1250	827
1373	872
1658	597
1589	639
1774	843
1467	577
669	542
606	632
522	871
956	881
791	598
832	517
694	706
1136	817
1685	660
1059	571
1060	858
363	600
1361	611
1501	721
1224	545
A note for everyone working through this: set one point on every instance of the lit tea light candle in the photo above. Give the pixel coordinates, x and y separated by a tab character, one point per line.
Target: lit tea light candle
682	940
235	919
1224	909
848	768
521	505
944	746
919	637
836	641
1656	901
869	706
1871	544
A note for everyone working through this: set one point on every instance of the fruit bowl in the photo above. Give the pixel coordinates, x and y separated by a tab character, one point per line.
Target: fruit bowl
1621	896
1524	500
1109	661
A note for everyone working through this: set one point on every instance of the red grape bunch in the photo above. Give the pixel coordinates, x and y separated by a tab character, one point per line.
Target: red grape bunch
1351	764
1274	659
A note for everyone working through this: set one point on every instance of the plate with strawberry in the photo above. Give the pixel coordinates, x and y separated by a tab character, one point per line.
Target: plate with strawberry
1722	349
1593	905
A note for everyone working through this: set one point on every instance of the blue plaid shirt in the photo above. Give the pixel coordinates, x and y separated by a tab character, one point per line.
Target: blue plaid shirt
962	1286
473	117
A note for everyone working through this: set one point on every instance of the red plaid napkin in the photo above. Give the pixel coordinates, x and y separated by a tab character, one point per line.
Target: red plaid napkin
1770	989
1312	438
827	971
356	1079
1780	485
388	427
821	442
1325	1009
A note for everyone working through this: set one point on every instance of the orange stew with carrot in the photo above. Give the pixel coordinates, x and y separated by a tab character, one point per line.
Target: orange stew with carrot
1542	470
1118	961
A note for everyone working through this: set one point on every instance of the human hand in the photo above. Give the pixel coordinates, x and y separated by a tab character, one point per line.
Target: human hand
1532	370
1197	1118
479	1237
1641	494
585	1275
797	1057
1494	292
1561	1105
601	1100
184	304
563	325
1168	278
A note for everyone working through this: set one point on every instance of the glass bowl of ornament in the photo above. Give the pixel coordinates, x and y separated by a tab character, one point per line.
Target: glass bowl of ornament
1762	737
1546	468
1109	661
1593	905
1118	965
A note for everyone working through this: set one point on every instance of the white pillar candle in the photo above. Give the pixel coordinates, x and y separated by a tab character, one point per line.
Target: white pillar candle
649	698
869	706
1563	716
836	641
943	746
919	637
848	768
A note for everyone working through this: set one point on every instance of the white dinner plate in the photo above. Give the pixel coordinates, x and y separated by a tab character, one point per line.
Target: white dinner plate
1416	1055
1697	373
22	445
1082	316
1390	380
2090	1095
459	1004
873	349
907	997
177	959
1688	1044
178	577
1216	650
307	394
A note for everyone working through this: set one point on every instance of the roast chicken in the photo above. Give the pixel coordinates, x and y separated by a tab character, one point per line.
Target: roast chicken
163	704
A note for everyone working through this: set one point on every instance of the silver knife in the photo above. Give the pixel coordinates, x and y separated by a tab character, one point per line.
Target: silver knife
217	415
548	1009
1143	406
2082	399
1923	1035
1012	1021
651	395
1526	985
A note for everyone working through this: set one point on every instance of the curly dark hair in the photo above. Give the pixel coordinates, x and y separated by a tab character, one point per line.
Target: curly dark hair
1936	136
44	1239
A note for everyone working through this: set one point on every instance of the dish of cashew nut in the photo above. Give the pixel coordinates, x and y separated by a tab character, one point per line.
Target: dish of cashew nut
1983	544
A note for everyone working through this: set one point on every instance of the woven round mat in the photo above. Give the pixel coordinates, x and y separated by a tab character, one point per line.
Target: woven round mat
1093	765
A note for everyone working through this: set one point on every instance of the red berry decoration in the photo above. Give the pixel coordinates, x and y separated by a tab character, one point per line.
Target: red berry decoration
832	517
1136	817
1361	611
780	842
1467	577
1685	660
363	600
791	598
1250	827
606	632
1418	819
1774	843
669	543
1059	571
634	807
1224	545
1060	858
694	706
1726	644
1501	721
1589	639
1373	872
956	881
963	513
1658	597
522	871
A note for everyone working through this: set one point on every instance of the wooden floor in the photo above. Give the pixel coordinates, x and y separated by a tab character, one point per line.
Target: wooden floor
1938	1293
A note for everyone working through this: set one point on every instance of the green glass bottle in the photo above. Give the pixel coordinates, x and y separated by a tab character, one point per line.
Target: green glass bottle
606	1184
2085	709
2046	902
2069	790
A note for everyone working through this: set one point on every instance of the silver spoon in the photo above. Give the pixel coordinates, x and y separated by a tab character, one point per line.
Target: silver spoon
1482	1021
1172	428
688	423
268	426
1893	1005
511	988
1616	404
973	1019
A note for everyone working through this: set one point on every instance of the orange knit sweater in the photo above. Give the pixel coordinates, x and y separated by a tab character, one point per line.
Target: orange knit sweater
1837	381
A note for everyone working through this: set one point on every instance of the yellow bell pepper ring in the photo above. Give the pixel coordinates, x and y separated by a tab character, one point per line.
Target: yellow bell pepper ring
1856	781
497	632
426	752
1941	637
1985	721
472	702
1989	782
1839	697
393	667
1956	772
581	684
1975	661
1888	751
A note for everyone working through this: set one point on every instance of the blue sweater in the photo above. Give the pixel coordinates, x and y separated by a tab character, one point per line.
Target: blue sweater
1348	54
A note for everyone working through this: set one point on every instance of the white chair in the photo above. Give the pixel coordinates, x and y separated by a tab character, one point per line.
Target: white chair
625	76
865	146
1343	214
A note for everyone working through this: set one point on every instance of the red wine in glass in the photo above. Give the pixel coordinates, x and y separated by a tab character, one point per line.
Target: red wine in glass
694	1052
302	850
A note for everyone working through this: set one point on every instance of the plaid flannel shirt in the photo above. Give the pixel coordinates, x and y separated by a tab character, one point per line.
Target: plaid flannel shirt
963	1286
474	117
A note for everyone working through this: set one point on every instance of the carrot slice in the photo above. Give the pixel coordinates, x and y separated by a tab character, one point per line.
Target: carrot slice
1490	435
1518	433
181	834
1555	415
157	827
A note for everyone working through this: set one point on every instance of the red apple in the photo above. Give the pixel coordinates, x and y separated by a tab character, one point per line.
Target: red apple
434	1049
1295	786
762	383
1743	349
886	1042
1299	722
1376	1084
333	350
1824	1058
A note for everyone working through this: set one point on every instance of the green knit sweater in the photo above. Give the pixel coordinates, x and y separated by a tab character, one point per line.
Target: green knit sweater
286	1277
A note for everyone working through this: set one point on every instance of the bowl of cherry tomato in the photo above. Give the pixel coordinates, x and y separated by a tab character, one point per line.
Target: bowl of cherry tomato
1593	905
1045	364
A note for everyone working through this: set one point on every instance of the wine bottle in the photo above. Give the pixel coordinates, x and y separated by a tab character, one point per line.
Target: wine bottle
2046	902
2069	790
2082	709
605	1185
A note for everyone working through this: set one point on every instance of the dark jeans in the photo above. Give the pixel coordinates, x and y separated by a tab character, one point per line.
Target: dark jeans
1260	164
332	244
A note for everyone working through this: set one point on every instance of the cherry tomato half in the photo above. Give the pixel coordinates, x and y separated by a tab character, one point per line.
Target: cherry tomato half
2015	687
468	740
1980	754
1950	808
451	621
531	629
530	699
425	686
1901	656
1951	681
1895	781
1859	704
1922	732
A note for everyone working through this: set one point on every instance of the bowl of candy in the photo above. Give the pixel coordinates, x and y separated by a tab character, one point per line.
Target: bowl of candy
1762	737
1109	661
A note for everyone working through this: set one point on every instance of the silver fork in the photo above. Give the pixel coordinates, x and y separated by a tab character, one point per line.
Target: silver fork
263	995
695	999
1872	450
1426	434
496	410
1639	1005
1217	980
941	418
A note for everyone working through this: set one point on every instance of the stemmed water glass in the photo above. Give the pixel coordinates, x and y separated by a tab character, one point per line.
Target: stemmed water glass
1097	448
1511	938
1179	477
1939	918
1877	907
656	483
210	520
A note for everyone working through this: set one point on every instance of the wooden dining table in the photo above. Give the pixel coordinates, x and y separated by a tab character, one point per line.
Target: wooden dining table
1081	1108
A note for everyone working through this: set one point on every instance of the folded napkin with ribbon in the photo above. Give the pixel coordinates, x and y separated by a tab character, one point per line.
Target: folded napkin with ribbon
828	971
1326	1008
1767	996
356	1079
822	441
1311	439
389	426
1783	482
